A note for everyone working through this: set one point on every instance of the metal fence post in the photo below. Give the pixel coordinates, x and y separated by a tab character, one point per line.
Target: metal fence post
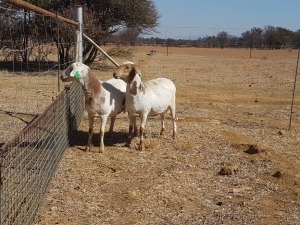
79	44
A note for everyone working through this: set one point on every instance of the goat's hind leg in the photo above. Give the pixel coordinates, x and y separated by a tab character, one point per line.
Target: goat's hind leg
173	115
111	127
142	131
90	133
162	121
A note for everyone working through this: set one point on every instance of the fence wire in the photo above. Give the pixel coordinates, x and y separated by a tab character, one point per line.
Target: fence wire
28	162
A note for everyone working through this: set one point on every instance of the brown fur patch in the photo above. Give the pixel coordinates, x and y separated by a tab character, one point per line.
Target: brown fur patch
132	73
102	100
133	89
142	88
90	101
94	84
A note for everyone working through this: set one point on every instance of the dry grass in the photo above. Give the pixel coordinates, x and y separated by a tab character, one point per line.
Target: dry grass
234	161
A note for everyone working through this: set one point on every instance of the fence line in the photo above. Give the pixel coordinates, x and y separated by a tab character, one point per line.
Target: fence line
29	160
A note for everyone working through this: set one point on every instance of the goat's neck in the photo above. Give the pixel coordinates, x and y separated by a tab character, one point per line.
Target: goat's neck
90	85
136	85
137	79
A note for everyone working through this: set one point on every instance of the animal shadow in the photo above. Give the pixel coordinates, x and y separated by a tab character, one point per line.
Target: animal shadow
79	138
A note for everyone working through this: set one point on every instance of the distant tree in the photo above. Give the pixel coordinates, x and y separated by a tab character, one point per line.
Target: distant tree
209	41
247	39
296	39
276	37
283	37
222	38
269	37
253	38
256	38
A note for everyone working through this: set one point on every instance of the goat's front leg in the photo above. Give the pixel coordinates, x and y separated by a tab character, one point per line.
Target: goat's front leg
132	128
90	134
102	131
135	129
142	129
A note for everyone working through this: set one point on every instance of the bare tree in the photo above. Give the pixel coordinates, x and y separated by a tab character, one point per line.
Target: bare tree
128	18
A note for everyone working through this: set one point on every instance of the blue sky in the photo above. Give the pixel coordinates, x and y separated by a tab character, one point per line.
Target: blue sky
191	19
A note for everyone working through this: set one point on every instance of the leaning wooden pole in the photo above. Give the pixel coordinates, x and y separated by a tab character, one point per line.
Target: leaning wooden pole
294	90
101	50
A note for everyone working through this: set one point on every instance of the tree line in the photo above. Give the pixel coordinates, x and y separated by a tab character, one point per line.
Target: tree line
269	37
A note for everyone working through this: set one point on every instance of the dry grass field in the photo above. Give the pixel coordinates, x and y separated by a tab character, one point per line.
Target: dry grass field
234	162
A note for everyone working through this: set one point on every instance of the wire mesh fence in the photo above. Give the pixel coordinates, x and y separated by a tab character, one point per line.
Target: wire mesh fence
29	160
32	53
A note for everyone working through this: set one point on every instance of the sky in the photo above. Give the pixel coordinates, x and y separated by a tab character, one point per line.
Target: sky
191	19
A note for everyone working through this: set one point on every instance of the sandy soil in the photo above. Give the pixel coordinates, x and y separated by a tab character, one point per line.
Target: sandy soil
234	162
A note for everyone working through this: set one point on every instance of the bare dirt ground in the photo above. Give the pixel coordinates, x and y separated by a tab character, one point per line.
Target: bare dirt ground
234	161
22	97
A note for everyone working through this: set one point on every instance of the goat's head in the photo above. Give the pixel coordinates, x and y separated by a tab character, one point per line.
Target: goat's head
131	74
75	72
127	71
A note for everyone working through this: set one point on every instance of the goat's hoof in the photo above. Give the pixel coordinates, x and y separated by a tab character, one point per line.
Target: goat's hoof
141	148
101	150
128	142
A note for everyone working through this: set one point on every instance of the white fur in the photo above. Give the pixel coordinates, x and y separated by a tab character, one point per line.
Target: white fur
108	101
145	99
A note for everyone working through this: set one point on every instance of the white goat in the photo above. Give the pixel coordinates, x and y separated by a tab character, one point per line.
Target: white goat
105	98
145	99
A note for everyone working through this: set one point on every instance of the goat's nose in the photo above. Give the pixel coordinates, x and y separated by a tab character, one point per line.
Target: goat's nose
115	75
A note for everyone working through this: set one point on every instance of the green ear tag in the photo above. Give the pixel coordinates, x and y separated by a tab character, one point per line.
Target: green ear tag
140	73
77	74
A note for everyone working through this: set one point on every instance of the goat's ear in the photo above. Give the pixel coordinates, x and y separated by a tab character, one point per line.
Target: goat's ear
133	89
142	87
77	70
137	70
